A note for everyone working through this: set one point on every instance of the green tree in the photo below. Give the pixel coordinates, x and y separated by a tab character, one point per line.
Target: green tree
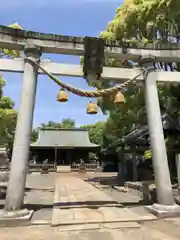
8	115
141	21
34	134
50	124
65	123
135	22
7	119
8	52
95	132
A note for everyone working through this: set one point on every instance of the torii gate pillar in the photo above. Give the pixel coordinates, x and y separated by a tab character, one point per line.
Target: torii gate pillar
166	205
20	155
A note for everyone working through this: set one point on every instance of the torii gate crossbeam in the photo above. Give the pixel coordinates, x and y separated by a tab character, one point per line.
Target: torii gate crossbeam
73	70
52	43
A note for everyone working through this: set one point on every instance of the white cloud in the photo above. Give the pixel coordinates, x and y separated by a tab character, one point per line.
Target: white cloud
43	3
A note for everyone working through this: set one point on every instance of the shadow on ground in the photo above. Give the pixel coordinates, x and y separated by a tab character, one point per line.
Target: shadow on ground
84	204
3	191
34	207
110	181
133	204
37	207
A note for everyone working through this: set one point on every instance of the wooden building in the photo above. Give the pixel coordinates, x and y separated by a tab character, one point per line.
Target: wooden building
62	146
137	142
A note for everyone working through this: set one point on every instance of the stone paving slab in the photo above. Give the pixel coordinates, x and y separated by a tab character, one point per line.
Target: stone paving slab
42	216
169	227
175	220
145	233
39	197
163	228
46	233
92	216
39	181
98	226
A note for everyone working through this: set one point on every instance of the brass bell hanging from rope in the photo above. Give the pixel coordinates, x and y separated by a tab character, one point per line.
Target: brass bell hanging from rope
62	96
119	98
92	108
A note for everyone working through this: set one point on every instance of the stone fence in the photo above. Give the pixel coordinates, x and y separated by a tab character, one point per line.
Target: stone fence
87	166
32	167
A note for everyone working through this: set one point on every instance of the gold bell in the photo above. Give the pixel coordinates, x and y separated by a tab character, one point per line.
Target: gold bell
119	98
92	108
62	96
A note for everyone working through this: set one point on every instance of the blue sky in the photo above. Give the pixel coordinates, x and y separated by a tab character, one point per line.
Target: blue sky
68	17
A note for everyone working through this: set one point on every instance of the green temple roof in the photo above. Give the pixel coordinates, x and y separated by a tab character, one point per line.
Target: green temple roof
63	138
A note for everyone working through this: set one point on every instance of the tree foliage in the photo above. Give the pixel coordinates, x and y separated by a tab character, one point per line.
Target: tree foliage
7	119
95	132
8	115
8	52
67	123
140	21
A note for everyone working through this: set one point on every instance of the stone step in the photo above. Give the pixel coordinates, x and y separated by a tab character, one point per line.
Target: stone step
94	226
89	216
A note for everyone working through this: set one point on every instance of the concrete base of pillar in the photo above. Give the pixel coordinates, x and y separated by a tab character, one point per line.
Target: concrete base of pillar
15	218
164	211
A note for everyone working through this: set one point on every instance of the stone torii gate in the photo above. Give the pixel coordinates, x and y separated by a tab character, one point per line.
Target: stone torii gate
34	44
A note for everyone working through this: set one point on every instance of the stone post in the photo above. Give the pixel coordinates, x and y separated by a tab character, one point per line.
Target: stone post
20	155
166	206
178	170
134	164
121	169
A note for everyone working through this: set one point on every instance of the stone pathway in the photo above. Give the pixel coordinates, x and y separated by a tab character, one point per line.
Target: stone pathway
158	230
40	197
78	203
74	192
83	212
41	181
46	233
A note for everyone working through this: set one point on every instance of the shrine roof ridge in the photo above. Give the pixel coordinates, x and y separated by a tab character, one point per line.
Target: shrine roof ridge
64	138
63	129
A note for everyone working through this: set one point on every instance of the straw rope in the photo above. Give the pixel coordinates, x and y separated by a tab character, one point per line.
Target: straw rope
84	93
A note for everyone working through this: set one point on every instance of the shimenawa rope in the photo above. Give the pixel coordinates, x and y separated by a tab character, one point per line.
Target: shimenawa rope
83	93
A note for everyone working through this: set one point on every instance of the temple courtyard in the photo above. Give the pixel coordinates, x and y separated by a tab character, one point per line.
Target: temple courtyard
86	206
